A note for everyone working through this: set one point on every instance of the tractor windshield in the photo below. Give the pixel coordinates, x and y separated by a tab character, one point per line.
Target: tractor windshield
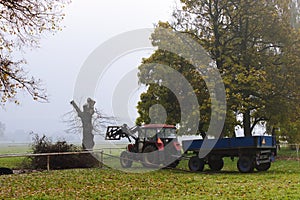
150	133
169	133
158	133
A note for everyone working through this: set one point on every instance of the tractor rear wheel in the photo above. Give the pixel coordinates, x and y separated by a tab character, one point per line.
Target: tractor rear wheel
125	160
150	157
196	164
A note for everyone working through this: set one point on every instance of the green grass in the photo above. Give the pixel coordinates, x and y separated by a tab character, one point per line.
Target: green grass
14	162
281	181
14	148
287	153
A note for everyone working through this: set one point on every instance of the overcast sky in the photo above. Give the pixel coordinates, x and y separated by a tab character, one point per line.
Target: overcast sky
88	24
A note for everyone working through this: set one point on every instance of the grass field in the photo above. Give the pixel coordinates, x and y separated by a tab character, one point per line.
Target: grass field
12	149
282	181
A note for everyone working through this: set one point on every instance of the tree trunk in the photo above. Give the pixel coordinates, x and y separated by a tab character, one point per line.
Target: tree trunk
87	127
247	123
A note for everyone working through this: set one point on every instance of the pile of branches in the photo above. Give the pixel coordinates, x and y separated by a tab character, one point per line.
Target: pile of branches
45	145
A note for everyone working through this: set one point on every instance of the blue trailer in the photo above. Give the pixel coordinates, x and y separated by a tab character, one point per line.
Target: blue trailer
252	152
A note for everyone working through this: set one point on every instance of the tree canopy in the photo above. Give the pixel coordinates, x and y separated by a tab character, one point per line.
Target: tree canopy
22	23
255	47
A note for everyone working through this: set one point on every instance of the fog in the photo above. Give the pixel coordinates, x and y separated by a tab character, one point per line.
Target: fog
57	63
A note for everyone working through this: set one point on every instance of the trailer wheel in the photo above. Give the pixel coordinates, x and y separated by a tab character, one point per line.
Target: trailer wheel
125	160
215	163
263	166
150	157
196	164
245	164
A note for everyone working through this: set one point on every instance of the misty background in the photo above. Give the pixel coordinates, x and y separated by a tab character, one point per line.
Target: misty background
57	63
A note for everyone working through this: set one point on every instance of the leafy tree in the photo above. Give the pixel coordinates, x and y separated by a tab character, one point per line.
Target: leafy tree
152	69
255	49
153	72
22	22
291	130
170	104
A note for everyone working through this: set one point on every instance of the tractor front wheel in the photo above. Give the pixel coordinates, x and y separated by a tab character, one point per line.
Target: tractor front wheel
150	157
125	160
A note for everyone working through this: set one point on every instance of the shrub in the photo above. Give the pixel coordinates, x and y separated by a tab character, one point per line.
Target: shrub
45	145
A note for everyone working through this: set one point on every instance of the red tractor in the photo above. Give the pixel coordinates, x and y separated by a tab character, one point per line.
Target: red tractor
153	144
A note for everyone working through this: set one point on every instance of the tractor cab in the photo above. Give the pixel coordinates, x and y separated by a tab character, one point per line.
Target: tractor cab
156	133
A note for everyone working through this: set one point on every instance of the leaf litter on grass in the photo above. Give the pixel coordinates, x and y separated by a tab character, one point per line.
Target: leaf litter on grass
280	182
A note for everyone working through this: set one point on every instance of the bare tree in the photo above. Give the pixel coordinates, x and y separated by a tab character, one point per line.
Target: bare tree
99	122
88	121
22	22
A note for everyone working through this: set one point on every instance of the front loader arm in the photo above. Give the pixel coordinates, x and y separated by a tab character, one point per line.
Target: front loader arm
118	132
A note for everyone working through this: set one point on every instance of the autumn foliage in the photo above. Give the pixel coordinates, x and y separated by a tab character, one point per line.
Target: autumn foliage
22	23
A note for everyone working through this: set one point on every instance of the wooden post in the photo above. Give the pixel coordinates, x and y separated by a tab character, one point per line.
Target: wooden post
48	163
101	159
